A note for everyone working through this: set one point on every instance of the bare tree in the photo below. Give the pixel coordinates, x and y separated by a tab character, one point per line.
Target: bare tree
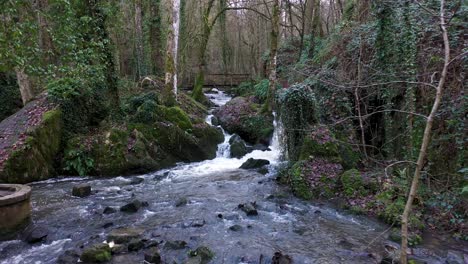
426	137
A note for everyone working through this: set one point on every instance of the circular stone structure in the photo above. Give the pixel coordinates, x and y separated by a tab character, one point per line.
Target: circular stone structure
15	207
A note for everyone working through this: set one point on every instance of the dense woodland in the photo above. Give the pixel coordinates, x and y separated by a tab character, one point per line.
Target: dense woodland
371	95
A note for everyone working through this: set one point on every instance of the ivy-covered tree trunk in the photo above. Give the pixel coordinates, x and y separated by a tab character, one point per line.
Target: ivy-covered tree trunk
207	26
272	78
139	39
155	36
45	39
170	89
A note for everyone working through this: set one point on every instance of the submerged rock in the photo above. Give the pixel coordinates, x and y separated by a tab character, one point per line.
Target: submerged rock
136	180
181	202
124	235
98	253
132	207
175	245
249	208
36	234
81	190
135	244
152	255
109	210
194	223
68	257
202	255
235	228
279	258
254	164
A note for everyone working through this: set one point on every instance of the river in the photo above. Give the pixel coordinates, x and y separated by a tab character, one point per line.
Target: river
307	232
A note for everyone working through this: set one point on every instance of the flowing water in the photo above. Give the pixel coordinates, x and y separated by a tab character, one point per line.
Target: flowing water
309	233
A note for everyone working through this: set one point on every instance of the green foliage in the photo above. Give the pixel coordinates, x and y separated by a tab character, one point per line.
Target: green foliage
298	183
261	89
352	183
78	161
244	89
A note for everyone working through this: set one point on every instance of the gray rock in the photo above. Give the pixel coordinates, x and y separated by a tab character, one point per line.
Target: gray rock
279	258
181	202
81	190
194	223
36	234
238	148
215	121
254	164
235	228
136	180
249	209
202	255
68	257
131	207
124	235
135	244
152	255
109	210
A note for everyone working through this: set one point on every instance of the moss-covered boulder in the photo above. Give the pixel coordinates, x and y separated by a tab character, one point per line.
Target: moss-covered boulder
314	178
98	253
140	148
32	156
243	117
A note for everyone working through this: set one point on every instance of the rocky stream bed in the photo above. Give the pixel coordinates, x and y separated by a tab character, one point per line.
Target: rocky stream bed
196	213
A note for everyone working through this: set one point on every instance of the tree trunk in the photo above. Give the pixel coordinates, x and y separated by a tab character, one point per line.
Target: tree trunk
24	84
155	36
426	138
139	40
170	90
272	78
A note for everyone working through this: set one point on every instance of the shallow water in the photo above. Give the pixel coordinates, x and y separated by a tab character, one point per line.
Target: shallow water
308	233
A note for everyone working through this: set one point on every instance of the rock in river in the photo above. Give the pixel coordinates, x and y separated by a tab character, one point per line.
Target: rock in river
238	148
131	207
81	190
249	208
124	235
36	234
152	256
97	253
254	164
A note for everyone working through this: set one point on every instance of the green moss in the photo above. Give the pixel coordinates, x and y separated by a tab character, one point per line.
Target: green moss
349	157
312	148
41	146
97	254
298	183
178	117
197	93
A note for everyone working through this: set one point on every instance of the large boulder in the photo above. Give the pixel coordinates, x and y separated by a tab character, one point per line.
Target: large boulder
237	146
141	148
31	140
243	117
